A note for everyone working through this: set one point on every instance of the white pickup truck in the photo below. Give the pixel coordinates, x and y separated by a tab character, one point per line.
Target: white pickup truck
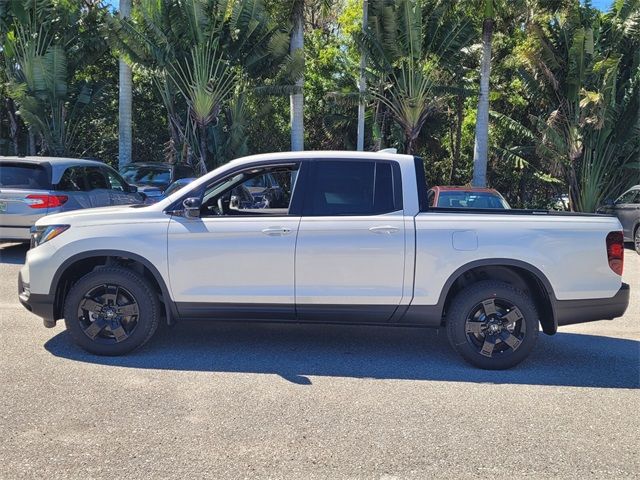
331	237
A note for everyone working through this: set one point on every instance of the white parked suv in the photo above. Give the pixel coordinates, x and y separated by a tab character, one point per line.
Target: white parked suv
354	241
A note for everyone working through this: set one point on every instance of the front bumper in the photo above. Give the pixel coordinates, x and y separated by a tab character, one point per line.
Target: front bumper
38	304
568	312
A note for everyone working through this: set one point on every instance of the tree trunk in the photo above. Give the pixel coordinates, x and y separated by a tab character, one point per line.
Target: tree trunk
32	142
458	140
125	96
202	164
13	125
481	146
297	98
362	84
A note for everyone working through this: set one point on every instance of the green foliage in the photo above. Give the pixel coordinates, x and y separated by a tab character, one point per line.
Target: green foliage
212	80
44	44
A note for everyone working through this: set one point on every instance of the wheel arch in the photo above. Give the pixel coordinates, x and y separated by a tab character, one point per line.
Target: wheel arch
82	263
518	273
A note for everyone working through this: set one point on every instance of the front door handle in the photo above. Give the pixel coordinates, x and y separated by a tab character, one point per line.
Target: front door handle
388	229
276	231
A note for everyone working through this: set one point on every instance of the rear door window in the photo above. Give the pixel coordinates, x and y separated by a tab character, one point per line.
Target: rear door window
345	187
72	180
25	176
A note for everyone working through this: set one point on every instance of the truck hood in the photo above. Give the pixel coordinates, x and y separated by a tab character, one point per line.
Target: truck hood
104	216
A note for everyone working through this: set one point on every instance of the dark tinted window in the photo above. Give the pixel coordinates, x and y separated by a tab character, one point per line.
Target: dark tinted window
23	175
345	187
97	179
182	171
72	180
146	175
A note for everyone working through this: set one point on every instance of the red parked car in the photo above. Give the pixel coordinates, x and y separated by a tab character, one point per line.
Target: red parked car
466	197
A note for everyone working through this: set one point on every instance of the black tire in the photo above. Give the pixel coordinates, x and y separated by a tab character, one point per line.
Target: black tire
492	324
636	240
104	326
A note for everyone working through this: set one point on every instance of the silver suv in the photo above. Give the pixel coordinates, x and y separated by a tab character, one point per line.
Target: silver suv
32	187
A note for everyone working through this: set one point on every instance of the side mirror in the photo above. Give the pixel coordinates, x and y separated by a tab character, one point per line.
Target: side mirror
192	207
132	189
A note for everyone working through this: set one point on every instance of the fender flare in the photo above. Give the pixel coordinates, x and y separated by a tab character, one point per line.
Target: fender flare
169	305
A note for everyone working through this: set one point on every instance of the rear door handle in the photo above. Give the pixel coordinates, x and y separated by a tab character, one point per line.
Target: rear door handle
276	231
388	229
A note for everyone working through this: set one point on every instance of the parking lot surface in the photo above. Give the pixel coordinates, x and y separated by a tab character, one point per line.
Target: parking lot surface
291	401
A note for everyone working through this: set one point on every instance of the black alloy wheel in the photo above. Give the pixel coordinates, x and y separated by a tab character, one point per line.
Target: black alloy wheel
108	313
112	310
495	327
492	324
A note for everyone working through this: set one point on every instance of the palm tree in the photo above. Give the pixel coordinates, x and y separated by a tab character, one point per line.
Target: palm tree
406	44
45	43
201	53
481	146
124	100
362	83
296	96
582	74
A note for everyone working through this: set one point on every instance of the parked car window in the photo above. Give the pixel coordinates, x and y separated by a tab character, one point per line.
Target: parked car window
146	175
463	199
253	192
96	179
183	171
353	188
23	175
72	180
115	181
632	196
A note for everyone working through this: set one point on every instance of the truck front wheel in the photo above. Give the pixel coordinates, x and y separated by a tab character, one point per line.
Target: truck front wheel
111	311
492	324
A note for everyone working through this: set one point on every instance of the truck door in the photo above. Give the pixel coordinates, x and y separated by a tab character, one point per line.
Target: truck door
350	252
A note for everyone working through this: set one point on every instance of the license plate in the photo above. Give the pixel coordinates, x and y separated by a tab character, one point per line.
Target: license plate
3	207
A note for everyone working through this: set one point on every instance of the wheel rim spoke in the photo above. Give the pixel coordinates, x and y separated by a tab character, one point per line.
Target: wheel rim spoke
487	346
111	295
489	307
510	339
513	316
128	310
95	328
474	327
119	332
90	305
105	323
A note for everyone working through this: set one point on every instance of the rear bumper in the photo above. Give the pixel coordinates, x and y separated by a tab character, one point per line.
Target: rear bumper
15	233
38	304
568	312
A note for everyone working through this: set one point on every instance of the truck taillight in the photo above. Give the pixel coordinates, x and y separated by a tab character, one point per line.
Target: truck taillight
615	251
46	201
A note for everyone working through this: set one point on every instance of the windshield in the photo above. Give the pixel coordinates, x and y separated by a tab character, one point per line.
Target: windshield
139	175
177	185
463	199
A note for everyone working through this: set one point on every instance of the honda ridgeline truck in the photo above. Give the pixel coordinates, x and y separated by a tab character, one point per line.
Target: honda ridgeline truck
353	242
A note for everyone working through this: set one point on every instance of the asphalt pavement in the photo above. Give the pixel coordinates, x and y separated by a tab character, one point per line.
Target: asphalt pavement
298	401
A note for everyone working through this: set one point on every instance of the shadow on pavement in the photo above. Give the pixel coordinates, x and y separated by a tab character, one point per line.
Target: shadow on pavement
296	352
13	253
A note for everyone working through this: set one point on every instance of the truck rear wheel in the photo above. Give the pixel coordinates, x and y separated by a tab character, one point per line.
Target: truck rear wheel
111	311
492	324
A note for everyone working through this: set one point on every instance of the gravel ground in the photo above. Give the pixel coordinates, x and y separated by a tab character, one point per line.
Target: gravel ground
274	401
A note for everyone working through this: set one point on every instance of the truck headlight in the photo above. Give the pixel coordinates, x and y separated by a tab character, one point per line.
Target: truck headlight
40	235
